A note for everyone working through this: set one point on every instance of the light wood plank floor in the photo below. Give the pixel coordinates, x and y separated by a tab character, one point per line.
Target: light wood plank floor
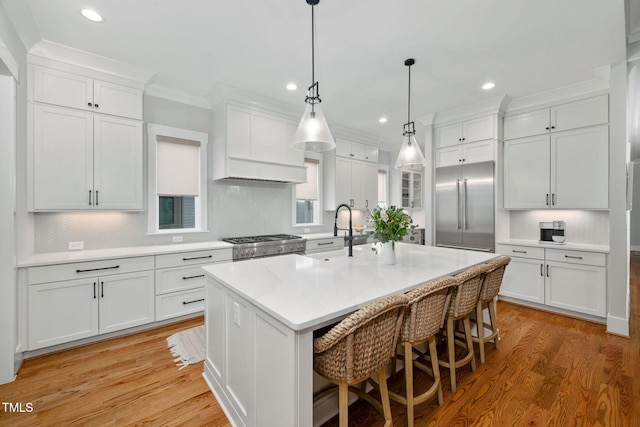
551	370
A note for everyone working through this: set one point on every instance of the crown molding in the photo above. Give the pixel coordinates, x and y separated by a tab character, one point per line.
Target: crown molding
8	62
562	94
495	105
176	95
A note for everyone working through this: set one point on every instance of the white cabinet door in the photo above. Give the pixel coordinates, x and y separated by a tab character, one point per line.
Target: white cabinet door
62	158
524	279
574	287
411	190
61	88
527	173
580	168
477	129
526	124
587	112
126	300
448	135
480	151
358	184
343	181
117	100
371	154
449	156
117	163
62	311
370	185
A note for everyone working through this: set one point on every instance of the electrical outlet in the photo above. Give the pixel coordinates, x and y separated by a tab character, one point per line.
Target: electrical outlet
176	239
76	246
236	313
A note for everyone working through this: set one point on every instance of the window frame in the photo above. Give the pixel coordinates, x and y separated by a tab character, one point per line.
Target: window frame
153	130
319	221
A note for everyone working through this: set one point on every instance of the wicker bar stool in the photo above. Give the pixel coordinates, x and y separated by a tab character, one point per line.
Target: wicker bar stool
488	295
463	301
361	344
428	307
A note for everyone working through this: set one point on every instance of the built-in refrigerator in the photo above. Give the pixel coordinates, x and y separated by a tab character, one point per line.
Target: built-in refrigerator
464	206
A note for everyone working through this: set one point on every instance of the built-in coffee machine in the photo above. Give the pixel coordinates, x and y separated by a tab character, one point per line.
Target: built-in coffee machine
552	232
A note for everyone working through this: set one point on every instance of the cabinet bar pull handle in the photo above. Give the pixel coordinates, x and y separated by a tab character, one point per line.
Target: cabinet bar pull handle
553	199
547	270
192	277
197	257
573	257
325	243
98	269
191	302
97	198
547	202
89	197
101	289
464	207
457	204
518	252
94	290
541	270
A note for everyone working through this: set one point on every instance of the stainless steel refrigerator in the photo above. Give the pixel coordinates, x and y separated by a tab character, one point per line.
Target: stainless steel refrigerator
464	206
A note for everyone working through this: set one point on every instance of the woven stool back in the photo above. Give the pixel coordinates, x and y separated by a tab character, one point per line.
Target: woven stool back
428	305
493	278
360	344
465	296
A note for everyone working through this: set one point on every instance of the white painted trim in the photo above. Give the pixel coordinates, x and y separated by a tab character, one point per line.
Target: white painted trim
8	61
153	130
557	96
618	326
177	95
496	105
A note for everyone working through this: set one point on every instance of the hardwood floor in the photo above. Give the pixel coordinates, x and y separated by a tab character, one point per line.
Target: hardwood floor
550	370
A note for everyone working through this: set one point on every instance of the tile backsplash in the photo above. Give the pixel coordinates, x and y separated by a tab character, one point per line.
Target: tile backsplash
580	226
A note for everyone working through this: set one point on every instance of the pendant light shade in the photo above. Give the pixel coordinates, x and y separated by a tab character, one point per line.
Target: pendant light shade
313	133
410	155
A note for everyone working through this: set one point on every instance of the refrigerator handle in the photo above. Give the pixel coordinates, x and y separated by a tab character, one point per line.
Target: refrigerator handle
458	204
464	207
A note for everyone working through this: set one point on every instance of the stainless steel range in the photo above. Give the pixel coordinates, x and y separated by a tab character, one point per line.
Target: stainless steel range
268	245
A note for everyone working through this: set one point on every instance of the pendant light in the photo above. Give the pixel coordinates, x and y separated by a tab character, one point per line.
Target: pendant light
313	133
410	155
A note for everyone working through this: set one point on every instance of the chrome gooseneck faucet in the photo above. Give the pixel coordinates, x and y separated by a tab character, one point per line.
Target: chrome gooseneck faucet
335	227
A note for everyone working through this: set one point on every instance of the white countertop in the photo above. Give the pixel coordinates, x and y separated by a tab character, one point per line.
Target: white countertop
306	291
102	254
566	245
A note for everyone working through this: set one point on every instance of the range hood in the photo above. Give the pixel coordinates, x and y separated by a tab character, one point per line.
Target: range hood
254	144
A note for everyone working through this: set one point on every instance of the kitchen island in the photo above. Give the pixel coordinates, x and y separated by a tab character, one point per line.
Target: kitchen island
260	316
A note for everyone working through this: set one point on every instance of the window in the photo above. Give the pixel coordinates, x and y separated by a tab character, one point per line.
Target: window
383	188
177	180
307	210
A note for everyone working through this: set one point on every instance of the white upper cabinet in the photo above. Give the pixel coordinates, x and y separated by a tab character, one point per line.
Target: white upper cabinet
463	132
564	170
479	151
84	93
572	115
250	143
356	150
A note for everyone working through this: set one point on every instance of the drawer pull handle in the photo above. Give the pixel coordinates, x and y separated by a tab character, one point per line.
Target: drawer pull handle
192	277
97	269
325	243
573	257
518	252
191	302
94	290
197	257
547	270
541	270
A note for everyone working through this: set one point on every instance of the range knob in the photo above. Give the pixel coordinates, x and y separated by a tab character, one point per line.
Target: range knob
280	248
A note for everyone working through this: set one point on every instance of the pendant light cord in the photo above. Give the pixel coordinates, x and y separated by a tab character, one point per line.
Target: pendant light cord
409	98
313	53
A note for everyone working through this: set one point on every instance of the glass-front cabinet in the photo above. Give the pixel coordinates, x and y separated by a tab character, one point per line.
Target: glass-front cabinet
411	190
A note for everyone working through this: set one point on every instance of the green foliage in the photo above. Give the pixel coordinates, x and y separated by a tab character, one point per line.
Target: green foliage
391	224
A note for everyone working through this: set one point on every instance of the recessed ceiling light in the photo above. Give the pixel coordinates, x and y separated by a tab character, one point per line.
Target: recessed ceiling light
292	86
382	120
488	85
91	15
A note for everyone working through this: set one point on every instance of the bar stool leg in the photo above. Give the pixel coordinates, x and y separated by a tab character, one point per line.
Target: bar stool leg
467	332
452	352
408	371
433	353
493	312
343	407
480	325
384	396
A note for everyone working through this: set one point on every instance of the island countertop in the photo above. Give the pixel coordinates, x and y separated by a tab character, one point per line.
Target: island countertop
306	292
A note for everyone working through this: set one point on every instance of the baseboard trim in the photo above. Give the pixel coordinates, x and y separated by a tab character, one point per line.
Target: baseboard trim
618	326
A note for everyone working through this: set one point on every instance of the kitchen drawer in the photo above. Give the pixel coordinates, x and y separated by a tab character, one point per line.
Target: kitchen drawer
191	258
179	304
328	244
178	279
79	270
577	257
520	251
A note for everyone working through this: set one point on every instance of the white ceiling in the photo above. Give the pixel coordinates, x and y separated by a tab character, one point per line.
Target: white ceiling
193	46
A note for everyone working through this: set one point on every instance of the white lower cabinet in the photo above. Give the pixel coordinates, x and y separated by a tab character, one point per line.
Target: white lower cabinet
325	244
81	300
180	281
557	278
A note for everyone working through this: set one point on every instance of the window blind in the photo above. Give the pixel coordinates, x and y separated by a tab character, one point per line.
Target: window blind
178	166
